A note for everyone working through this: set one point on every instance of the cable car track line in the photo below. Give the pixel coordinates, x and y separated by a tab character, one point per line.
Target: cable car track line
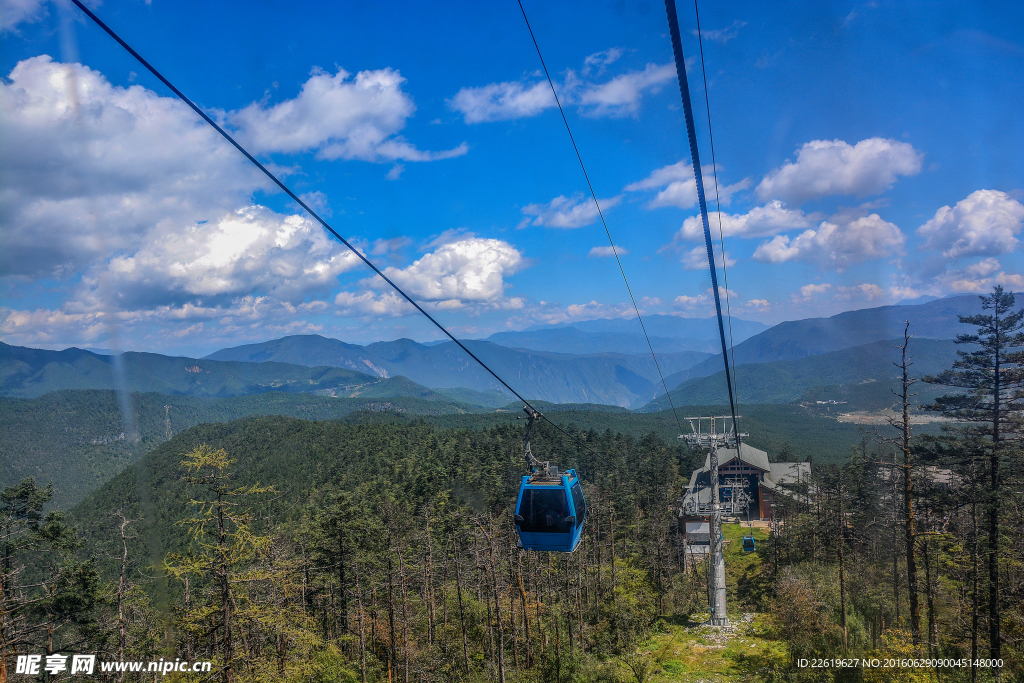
718	202
312	213
600	213
691	132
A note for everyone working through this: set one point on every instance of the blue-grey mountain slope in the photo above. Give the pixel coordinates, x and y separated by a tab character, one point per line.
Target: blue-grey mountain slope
610	378
814	336
864	376
26	373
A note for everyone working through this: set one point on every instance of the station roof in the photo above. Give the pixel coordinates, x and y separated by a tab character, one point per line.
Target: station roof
749	455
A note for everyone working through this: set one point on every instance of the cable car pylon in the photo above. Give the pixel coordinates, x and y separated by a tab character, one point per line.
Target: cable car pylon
712	440
716	577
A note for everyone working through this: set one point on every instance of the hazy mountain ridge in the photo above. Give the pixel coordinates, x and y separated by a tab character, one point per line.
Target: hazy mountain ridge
824	377
26	373
668	333
815	336
613	378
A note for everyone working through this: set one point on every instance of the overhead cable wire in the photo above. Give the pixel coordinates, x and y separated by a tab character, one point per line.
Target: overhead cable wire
312	213
718	204
691	132
600	213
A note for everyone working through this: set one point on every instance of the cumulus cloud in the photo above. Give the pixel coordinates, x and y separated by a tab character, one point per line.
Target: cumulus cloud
471	270
621	95
607	252
103	174
978	277
566	212
251	317
835	246
761	221
697	259
502	101
812	290
986	223
340	117
617	97
250	251
383	304
834	167
704	301
677	186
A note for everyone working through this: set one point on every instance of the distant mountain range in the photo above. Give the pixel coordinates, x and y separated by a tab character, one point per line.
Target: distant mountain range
27	373
611	378
863	376
668	334
814	336
443	372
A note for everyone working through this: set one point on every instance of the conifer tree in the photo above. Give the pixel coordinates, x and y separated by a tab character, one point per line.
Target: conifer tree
992	379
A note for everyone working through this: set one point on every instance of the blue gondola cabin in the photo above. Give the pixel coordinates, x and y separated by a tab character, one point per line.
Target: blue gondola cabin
550	512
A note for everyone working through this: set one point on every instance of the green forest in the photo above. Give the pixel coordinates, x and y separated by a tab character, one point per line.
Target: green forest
378	546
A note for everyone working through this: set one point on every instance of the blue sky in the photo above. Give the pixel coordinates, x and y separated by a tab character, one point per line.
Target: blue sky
866	153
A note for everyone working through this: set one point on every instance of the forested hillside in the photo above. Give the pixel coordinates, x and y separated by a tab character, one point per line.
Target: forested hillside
78	439
375	549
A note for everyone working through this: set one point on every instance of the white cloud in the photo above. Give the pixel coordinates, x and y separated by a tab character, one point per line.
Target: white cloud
697	259
339	117
978	278
986	223
678	187
761	221
722	35
759	305
705	301
502	101
834	167
250	317
621	95
14	12
383	304
253	251
104	174
835	246
607	252
471	270
616	97
812	290
599	61
566	212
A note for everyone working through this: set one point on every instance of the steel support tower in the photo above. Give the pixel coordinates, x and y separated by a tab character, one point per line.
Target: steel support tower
712	439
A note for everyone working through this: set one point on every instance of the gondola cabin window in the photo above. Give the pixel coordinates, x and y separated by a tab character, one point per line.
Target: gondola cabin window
544	511
579	503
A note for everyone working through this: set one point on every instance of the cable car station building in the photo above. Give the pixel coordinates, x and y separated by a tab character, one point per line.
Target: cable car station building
747	487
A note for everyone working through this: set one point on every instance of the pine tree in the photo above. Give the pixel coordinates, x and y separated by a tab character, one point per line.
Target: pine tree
993	379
